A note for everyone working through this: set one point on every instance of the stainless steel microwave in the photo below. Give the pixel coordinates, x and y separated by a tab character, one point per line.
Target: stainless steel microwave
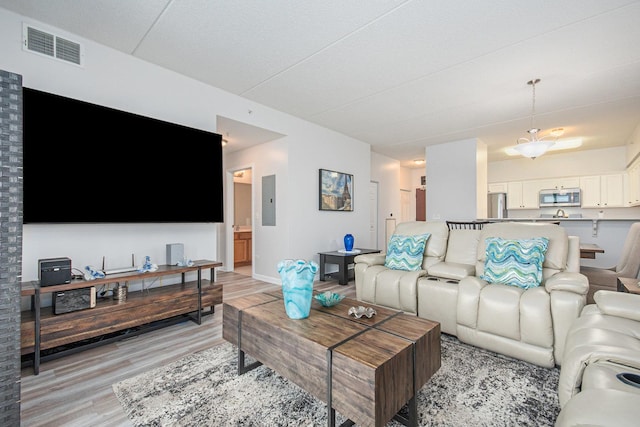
565	197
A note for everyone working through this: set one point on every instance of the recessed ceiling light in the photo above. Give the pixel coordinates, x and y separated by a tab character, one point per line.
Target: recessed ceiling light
418	161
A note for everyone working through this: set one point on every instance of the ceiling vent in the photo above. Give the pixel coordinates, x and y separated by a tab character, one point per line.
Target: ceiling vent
50	45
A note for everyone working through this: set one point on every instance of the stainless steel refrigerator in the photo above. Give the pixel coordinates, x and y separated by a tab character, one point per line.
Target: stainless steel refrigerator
497	205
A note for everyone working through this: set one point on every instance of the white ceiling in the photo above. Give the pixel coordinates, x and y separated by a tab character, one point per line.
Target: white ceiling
399	75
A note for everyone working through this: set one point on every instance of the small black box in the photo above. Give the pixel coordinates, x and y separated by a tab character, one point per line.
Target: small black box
74	300
54	271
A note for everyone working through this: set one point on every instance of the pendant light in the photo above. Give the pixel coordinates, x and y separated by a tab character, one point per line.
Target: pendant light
534	147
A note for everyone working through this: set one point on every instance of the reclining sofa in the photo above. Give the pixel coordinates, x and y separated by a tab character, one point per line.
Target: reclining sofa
450	286
600	376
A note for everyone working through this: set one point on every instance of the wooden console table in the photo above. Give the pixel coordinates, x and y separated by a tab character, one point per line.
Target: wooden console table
41	329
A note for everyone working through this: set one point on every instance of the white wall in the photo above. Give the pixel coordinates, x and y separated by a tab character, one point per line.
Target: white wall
589	162
313	230
123	82
270	243
633	145
452	180
386	171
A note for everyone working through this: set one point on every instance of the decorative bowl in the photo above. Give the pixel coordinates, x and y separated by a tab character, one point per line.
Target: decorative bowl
328	299
360	311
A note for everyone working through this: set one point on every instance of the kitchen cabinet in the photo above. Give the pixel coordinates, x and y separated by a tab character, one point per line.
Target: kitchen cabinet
598	191
602	191
559	183
241	248
497	187
633	175
562	183
612	190
523	194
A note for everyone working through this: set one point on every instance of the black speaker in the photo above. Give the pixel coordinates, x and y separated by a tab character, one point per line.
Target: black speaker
74	300
54	271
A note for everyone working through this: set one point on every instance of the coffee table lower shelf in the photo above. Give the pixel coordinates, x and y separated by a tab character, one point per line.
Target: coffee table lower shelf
365	369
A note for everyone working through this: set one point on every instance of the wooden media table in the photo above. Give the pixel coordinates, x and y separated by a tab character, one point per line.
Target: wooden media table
366	369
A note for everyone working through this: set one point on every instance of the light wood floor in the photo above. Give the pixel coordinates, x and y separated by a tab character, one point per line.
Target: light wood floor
75	390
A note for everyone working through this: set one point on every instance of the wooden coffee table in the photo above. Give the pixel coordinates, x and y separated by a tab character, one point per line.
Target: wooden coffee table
366	369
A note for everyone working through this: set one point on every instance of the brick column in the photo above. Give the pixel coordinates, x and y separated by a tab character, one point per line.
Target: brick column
10	244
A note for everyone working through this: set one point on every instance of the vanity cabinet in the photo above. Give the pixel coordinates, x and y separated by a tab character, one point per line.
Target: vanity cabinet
241	248
603	191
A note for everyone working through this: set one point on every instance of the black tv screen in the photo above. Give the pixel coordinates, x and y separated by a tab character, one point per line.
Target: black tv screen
86	163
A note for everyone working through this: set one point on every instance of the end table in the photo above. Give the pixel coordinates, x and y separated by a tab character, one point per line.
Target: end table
343	259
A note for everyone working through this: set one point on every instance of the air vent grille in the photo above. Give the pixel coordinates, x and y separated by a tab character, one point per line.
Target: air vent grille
39	41
67	50
48	44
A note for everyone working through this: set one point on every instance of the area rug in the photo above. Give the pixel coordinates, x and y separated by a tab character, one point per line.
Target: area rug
473	387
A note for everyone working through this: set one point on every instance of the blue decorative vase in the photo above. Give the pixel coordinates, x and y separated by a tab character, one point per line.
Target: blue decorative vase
348	242
297	286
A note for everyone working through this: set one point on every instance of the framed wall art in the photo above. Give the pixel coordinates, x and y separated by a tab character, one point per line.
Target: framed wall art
336	191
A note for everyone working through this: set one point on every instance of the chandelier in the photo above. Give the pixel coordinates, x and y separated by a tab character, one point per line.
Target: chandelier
535	146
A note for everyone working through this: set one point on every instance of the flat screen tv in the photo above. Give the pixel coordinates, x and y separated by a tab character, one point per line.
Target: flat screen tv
86	163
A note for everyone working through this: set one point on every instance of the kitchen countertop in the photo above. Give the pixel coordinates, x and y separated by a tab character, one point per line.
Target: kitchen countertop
536	219
592	223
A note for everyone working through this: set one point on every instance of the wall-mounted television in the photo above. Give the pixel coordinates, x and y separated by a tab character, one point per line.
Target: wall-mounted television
86	163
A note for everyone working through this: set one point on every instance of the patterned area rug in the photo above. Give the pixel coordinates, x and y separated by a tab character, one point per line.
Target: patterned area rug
473	387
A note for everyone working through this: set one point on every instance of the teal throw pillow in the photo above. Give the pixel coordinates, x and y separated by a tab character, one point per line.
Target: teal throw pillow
515	262
406	252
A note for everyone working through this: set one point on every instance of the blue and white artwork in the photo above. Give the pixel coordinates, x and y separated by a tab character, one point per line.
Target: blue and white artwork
336	191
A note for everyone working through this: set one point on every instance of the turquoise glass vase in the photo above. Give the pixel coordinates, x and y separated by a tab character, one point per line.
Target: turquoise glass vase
348	242
297	286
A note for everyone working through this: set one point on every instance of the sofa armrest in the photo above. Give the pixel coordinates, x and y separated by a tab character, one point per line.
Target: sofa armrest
569	282
618	304
577	359
469	290
370	259
451	270
601	407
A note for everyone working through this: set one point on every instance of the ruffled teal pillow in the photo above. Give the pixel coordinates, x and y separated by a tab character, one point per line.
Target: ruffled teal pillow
406	252
515	262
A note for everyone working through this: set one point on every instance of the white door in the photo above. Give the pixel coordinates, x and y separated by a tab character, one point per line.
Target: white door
373	215
406	211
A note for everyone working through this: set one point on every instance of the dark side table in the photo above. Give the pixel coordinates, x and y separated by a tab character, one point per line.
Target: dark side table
343	259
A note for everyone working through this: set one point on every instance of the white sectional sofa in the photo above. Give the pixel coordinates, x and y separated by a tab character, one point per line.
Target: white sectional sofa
602	344
529	324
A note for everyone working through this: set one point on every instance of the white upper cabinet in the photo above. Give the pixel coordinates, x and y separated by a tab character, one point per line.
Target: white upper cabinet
598	191
497	187
523	194
603	191
633	175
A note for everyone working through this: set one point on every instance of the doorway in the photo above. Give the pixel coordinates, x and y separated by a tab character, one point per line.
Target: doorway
373	212
242	225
